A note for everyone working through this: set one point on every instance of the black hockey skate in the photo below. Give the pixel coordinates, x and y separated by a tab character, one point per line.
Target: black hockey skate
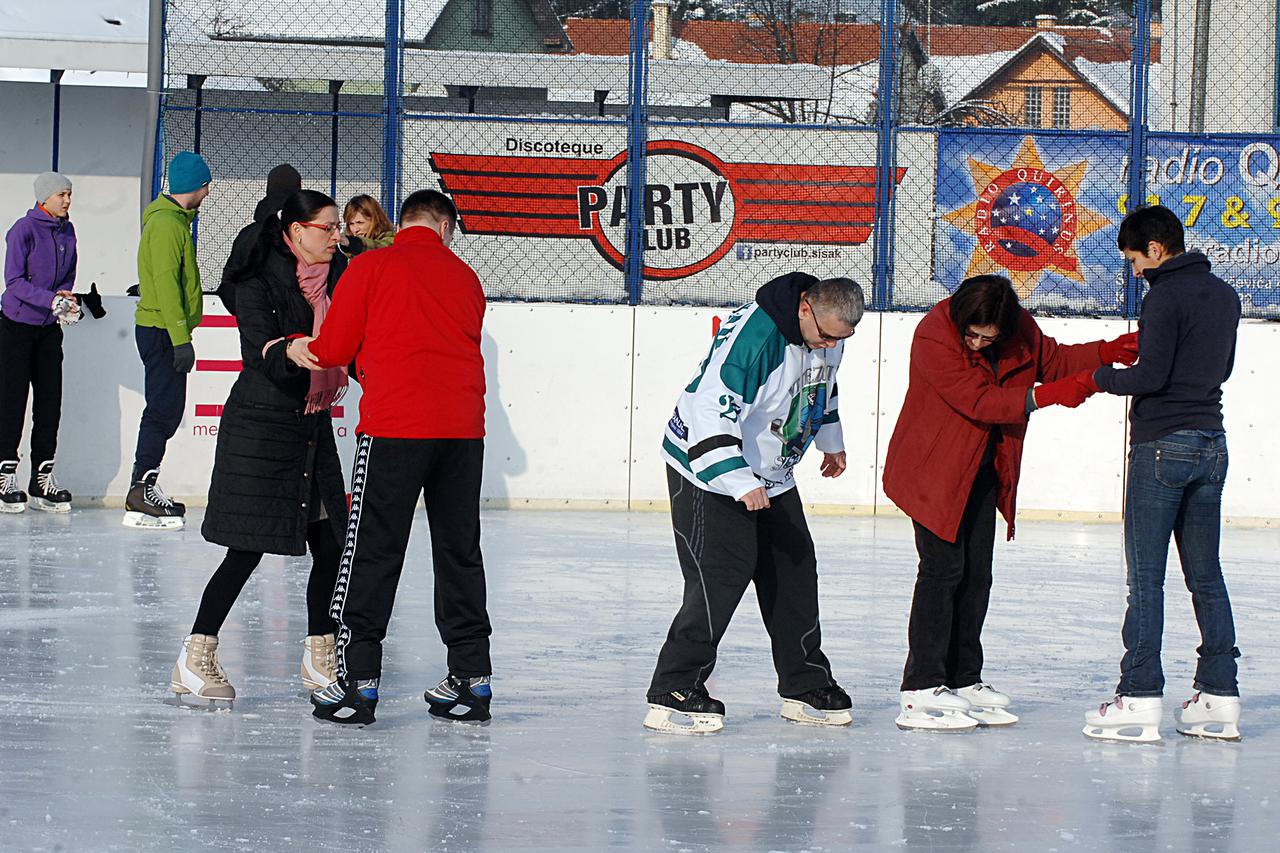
349	703
706	715
12	499
46	494
148	507
823	706
463	700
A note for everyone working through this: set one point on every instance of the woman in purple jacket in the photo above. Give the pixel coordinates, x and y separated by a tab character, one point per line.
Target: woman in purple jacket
39	272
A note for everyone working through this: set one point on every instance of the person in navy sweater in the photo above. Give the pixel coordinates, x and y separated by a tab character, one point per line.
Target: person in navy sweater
1177	465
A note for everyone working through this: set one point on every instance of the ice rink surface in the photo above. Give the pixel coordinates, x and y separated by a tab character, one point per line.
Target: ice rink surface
95	756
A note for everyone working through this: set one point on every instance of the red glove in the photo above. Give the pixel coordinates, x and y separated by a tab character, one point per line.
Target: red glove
1069	392
1086	379
1123	350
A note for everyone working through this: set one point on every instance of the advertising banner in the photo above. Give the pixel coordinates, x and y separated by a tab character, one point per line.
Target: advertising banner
545	210
1040	209
1227	193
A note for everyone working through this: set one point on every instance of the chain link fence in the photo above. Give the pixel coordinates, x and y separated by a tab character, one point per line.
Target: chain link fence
685	151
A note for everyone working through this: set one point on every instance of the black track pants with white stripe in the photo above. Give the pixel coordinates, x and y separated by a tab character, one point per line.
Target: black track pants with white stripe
388	476
723	547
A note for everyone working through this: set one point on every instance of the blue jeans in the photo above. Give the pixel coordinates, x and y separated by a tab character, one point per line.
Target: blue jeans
1175	488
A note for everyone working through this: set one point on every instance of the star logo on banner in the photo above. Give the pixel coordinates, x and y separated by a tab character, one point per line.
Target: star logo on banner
1026	219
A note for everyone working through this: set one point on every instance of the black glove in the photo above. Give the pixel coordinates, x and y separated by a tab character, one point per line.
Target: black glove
184	358
92	302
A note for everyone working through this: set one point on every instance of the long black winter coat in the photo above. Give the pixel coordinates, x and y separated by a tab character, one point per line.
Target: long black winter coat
273	463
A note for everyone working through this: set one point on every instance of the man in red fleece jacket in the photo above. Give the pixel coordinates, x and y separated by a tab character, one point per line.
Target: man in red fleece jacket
410	317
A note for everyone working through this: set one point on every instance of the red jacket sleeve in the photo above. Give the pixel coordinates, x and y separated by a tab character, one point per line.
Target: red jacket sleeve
343	330
971	393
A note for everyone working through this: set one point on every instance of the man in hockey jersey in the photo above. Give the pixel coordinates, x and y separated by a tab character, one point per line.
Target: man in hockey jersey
765	391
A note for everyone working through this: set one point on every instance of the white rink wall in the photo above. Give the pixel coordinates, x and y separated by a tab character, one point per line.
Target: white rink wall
578	397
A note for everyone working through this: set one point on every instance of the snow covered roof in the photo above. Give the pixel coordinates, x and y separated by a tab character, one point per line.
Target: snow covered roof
76	35
75	20
301	19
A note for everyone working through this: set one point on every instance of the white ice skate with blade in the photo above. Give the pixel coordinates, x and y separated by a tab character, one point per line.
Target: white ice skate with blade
1126	718
705	715
990	706
935	709
319	661
825	706
197	671
1210	716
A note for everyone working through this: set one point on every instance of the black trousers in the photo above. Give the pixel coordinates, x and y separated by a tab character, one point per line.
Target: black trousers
388	476
723	547
224	587
165	391
30	357
953	588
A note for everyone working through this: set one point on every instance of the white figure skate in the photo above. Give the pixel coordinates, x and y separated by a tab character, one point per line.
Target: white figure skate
1126	718
1210	716
319	661
990	706
936	709
198	673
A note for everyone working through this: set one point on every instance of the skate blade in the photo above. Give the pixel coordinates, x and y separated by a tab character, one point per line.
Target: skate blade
352	720
1221	731
191	702
1131	733
13	509
50	506
659	720
945	722
142	521
806	715
993	717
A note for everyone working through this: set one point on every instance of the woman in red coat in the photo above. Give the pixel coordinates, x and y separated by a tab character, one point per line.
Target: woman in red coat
953	460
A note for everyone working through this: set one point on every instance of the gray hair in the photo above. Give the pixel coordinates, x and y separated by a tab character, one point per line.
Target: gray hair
839	297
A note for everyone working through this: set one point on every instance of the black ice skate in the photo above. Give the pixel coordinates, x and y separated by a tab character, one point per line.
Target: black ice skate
46	494
825	706
706	715
349	703
147	506
12	499
463	700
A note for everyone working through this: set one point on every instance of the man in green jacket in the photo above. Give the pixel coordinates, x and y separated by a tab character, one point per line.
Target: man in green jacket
170	308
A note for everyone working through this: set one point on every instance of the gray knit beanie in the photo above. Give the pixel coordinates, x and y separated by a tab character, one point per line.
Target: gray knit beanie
48	183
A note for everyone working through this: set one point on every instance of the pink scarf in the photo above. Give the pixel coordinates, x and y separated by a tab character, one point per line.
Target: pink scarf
328	385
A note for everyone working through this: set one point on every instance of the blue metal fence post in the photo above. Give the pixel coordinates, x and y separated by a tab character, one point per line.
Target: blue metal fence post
886	162
392	124
1137	190
637	140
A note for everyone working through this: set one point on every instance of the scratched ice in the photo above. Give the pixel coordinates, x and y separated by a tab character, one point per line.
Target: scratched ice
94	757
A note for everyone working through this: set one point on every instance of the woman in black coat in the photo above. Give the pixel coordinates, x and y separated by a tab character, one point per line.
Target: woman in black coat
277	483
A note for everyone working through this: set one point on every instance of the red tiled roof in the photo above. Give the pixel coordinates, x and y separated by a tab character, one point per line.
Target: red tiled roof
847	44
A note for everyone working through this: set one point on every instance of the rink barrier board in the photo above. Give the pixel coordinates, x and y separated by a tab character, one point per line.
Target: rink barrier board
578	397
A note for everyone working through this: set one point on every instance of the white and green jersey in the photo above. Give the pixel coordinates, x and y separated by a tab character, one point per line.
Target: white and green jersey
752	409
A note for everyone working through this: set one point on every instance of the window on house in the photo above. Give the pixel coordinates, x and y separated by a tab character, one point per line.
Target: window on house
1033	108
1062	107
482	17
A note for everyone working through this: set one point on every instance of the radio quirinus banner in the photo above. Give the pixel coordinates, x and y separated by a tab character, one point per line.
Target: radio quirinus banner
545	210
1227	193
1038	209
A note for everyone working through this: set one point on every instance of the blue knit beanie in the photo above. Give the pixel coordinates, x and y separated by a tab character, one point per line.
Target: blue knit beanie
187	173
